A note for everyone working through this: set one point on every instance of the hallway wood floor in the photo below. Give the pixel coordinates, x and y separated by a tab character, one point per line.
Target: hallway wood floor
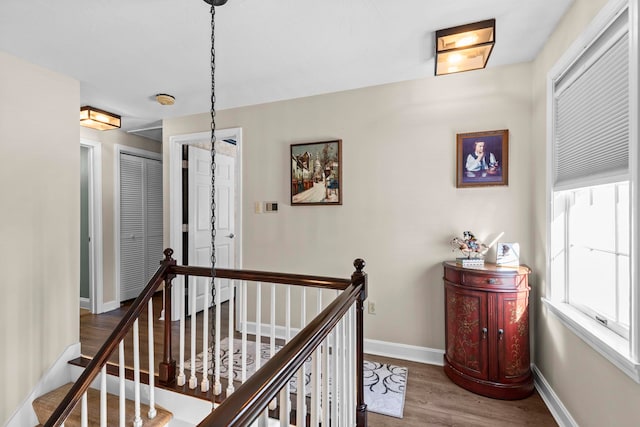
431	399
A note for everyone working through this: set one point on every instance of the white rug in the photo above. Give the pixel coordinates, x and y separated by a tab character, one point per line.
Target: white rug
384	384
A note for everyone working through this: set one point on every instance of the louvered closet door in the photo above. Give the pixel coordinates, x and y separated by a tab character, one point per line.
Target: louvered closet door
140	222
153	217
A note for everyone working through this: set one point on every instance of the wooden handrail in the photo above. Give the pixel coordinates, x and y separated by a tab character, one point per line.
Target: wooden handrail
246	403
93	368
264	276
255	393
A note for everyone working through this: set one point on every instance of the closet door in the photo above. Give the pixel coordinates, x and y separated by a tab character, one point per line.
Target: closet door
140	222
153	216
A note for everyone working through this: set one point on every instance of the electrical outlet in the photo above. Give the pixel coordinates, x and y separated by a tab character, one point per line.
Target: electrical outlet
258	207
372	307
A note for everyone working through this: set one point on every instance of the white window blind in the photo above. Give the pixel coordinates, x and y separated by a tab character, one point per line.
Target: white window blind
591	108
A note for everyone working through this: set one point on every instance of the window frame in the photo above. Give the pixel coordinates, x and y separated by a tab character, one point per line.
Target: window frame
623	353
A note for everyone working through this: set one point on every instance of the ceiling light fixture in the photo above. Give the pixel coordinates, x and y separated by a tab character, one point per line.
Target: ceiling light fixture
465	47
165	99
98	119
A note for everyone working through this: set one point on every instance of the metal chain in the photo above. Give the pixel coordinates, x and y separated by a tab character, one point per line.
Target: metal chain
213	172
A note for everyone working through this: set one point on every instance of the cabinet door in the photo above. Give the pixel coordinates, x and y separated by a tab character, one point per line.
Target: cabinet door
513	342
466	319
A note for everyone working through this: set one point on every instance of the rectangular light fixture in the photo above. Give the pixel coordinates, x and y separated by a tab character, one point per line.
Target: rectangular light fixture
464	48
97	119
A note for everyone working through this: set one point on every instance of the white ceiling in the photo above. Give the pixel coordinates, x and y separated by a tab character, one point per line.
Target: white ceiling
124	52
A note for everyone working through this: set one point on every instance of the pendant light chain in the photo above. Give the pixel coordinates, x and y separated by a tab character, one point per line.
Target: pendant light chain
213	172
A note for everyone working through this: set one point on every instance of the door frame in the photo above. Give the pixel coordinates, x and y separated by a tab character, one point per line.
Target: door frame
95	303
117	150
175	196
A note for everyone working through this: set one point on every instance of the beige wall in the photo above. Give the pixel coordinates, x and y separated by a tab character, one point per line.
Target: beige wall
39	217
594	391
108	140
401	206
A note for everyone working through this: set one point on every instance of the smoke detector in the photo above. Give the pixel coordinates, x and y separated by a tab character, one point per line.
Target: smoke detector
165	99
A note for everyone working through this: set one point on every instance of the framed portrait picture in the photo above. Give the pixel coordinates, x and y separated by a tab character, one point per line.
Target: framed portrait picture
316	173
482	158
508	254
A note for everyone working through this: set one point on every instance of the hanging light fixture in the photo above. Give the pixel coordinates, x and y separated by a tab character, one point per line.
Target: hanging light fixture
98	119
465	47
217	386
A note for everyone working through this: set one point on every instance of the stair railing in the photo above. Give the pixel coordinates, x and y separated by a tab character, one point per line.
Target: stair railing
115	340
333	340
329	334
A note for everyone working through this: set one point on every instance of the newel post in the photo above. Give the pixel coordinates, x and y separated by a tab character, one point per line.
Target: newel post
167	368
360	277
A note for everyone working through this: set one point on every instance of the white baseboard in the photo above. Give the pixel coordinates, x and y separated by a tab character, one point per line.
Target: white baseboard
85	303
557	409
57	375
265	330
413	353
380	348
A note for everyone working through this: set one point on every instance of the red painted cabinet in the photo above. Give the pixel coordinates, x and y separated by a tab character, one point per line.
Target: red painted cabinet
487	330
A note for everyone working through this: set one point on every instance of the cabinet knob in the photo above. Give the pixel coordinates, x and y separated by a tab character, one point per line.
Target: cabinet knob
500	333
484	333
492	281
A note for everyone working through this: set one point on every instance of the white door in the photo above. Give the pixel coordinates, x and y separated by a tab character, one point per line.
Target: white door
199	250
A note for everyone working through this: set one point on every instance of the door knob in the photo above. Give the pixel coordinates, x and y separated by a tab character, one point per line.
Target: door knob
231	235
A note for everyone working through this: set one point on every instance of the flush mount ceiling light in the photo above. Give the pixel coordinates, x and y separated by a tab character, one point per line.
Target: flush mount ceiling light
165	99
98	119
464	48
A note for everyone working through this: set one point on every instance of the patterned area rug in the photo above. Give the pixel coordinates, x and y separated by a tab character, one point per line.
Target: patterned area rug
384	384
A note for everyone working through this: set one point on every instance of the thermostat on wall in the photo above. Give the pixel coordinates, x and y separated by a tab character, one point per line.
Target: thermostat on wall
271	206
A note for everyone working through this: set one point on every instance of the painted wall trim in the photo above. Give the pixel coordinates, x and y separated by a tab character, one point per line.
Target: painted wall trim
95	225
57	375
550	398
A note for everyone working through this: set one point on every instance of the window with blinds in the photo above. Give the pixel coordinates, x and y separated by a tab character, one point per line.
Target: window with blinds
590	204
591	113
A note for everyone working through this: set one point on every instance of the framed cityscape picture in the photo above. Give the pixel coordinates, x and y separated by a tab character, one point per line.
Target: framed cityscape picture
316	173
482	158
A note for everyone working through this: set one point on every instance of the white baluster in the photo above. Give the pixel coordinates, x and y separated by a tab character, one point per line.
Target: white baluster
343	372
284	406
352	358
193	380
230	387
152	399
137	421
333	363
287	320
243	305
122	398
325	381
204	385
103	396
258	324
272	335
315	373
181	378
218	385
301	408
287	333
84	413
